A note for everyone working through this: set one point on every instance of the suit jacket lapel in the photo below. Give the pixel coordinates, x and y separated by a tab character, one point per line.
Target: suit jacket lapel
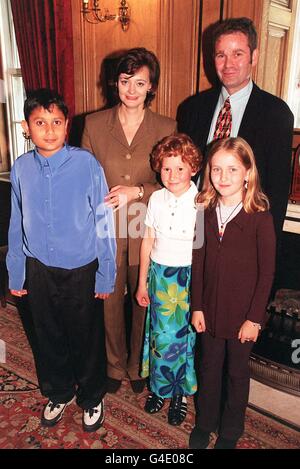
253	110
208	113
117	132
143	129
115	127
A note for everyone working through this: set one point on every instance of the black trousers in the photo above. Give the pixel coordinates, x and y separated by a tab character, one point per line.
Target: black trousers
224	379
69	332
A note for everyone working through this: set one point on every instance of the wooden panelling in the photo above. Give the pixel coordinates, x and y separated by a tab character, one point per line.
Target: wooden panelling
285	3
93	43
211	13
276	33
167	27
170	28
273	60
251	9
177	49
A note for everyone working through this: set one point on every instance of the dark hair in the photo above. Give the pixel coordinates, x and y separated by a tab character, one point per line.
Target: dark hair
133	60
43	97
234	25
176	145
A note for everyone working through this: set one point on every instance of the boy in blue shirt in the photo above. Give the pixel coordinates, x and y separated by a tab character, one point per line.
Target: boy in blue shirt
62	256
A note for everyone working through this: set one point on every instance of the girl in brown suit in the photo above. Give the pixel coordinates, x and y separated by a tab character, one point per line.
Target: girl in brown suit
122	138
231	280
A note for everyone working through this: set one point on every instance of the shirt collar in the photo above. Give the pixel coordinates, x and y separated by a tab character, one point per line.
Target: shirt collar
187	195
243	93
54	161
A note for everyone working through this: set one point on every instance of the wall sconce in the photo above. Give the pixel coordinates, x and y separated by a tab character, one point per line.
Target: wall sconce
94	14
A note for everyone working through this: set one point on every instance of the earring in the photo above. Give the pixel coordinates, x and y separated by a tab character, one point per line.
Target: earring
26	135
246	184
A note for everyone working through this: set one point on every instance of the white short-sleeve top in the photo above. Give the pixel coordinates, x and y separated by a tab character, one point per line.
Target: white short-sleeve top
173	220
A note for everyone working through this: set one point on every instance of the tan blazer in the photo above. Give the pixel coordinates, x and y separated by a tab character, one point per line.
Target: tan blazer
125	164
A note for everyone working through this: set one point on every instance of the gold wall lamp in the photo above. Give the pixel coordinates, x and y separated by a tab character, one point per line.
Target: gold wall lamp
93	14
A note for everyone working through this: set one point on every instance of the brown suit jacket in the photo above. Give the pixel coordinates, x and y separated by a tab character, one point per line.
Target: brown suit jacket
231	280
126	164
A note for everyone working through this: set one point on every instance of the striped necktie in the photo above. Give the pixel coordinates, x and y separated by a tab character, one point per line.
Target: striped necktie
224	121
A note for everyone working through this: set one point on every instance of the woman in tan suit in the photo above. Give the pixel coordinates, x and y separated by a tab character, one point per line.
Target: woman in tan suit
122	138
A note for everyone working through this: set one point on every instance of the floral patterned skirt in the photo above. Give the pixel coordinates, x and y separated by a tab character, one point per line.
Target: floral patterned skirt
168	355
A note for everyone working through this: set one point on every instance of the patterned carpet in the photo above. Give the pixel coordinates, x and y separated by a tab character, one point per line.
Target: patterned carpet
126	425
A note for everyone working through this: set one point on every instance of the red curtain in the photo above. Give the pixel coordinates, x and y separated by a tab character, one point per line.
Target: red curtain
45	44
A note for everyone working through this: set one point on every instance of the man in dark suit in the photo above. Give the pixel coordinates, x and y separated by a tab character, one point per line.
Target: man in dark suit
262	119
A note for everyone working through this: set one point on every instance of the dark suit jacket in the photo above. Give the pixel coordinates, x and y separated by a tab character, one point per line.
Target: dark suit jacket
126	164
267	126
231	280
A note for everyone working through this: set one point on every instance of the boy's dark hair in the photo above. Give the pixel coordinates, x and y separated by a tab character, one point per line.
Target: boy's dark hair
136	58
233	25
176	145
44	97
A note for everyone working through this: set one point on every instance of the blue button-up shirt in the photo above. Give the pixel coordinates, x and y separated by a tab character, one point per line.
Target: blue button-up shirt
58	215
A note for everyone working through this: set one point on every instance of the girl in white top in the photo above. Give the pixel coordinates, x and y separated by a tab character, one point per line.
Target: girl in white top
164	280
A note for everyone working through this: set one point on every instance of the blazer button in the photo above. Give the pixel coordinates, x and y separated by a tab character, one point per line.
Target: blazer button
128	156
127	177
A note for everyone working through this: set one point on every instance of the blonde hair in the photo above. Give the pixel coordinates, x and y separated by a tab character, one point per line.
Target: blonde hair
254	200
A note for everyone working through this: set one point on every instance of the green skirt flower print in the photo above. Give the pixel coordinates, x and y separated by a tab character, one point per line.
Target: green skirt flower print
168	355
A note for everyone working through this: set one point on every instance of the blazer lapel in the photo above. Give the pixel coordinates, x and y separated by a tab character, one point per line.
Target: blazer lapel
115	127
144	128
209	112
252	112
117	132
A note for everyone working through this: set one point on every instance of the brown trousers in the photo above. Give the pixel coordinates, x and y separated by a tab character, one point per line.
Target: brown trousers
120	363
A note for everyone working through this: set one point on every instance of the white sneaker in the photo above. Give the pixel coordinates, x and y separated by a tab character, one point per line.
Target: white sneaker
52	413
93	418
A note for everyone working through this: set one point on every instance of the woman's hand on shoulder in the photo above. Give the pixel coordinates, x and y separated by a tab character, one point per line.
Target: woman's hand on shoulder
198	321
119	196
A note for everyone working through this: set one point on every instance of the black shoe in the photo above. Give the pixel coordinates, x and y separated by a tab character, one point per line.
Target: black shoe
177	410
199	439
138	385
223	443
113	385
153	403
